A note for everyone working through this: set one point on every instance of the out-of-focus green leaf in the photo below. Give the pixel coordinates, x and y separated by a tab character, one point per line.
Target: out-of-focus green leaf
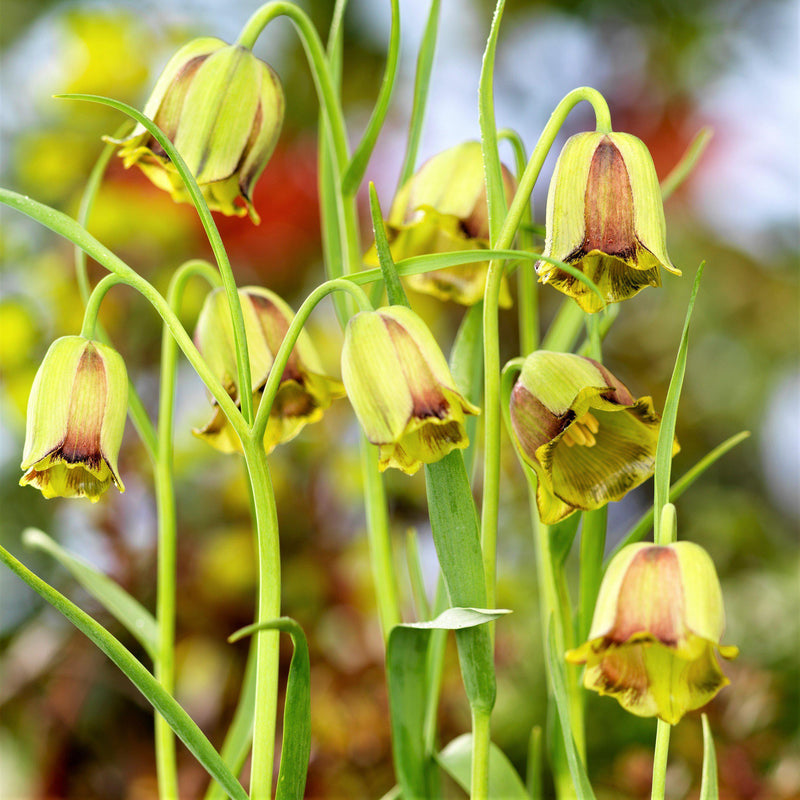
163	702
132	614
708	788
555	666
504	782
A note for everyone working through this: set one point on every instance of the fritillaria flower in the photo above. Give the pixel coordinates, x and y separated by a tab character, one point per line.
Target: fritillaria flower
76	416
304	391
656	631
401	389
606	218
588	439
440	209
223	109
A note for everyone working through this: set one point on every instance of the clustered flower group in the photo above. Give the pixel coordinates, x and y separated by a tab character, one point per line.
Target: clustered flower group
588	439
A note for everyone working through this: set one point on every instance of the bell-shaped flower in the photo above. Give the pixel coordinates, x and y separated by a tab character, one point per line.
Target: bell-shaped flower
223	109
401	389
304	391
440	209
657	626
606	218
76	416
588	439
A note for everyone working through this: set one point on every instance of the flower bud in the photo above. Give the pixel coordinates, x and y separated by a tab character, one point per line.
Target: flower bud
304	391
587	438
401	389
605	217
657	624
440	209
76	416
222	108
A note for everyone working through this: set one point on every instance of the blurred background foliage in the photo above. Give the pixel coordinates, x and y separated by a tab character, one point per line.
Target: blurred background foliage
70	726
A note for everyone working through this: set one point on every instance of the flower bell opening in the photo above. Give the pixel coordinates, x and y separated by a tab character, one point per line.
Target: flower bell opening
582	431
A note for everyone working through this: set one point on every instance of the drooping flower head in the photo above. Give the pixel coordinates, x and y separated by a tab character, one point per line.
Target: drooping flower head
658	621
606	218
76	417
588	439
440	209
401	389
304	391
223	109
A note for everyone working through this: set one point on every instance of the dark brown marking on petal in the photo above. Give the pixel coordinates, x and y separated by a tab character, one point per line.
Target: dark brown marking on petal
608	204
81	443
274	327
618	393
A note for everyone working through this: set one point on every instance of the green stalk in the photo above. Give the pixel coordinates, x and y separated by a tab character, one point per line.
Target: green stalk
67	227
479	786
268	608
491	338
660	756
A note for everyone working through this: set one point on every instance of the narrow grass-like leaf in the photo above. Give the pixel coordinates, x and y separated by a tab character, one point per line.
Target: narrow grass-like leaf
422	81
466	365
534	770
666	434
562	535
504	781
415	576
129	611
406	658
495	192
296	747
709	790
358	163
180	722
688	161
394	289
645	522
456	536
555	663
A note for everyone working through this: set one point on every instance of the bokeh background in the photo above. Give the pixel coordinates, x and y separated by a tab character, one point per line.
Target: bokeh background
70	725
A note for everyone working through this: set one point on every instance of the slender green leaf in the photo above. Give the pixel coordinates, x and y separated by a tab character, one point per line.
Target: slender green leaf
593	545
180	722
130	612
456	536
237	741
415	575
422	81
645	522
504	781
407	670
296	747
534	771
495	191
565	328
688	161
562	536
466	365
394	289
358	163
666	434
558	675
709	790
406	657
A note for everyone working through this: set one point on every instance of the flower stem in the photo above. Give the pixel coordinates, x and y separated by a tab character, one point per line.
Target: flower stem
268	608
479	783
660	761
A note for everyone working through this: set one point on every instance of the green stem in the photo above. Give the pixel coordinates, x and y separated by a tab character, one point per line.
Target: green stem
67	227
660	757
479	784
167	530
380	542
284	351
491	336
268	608
527	285
593	542
93	303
